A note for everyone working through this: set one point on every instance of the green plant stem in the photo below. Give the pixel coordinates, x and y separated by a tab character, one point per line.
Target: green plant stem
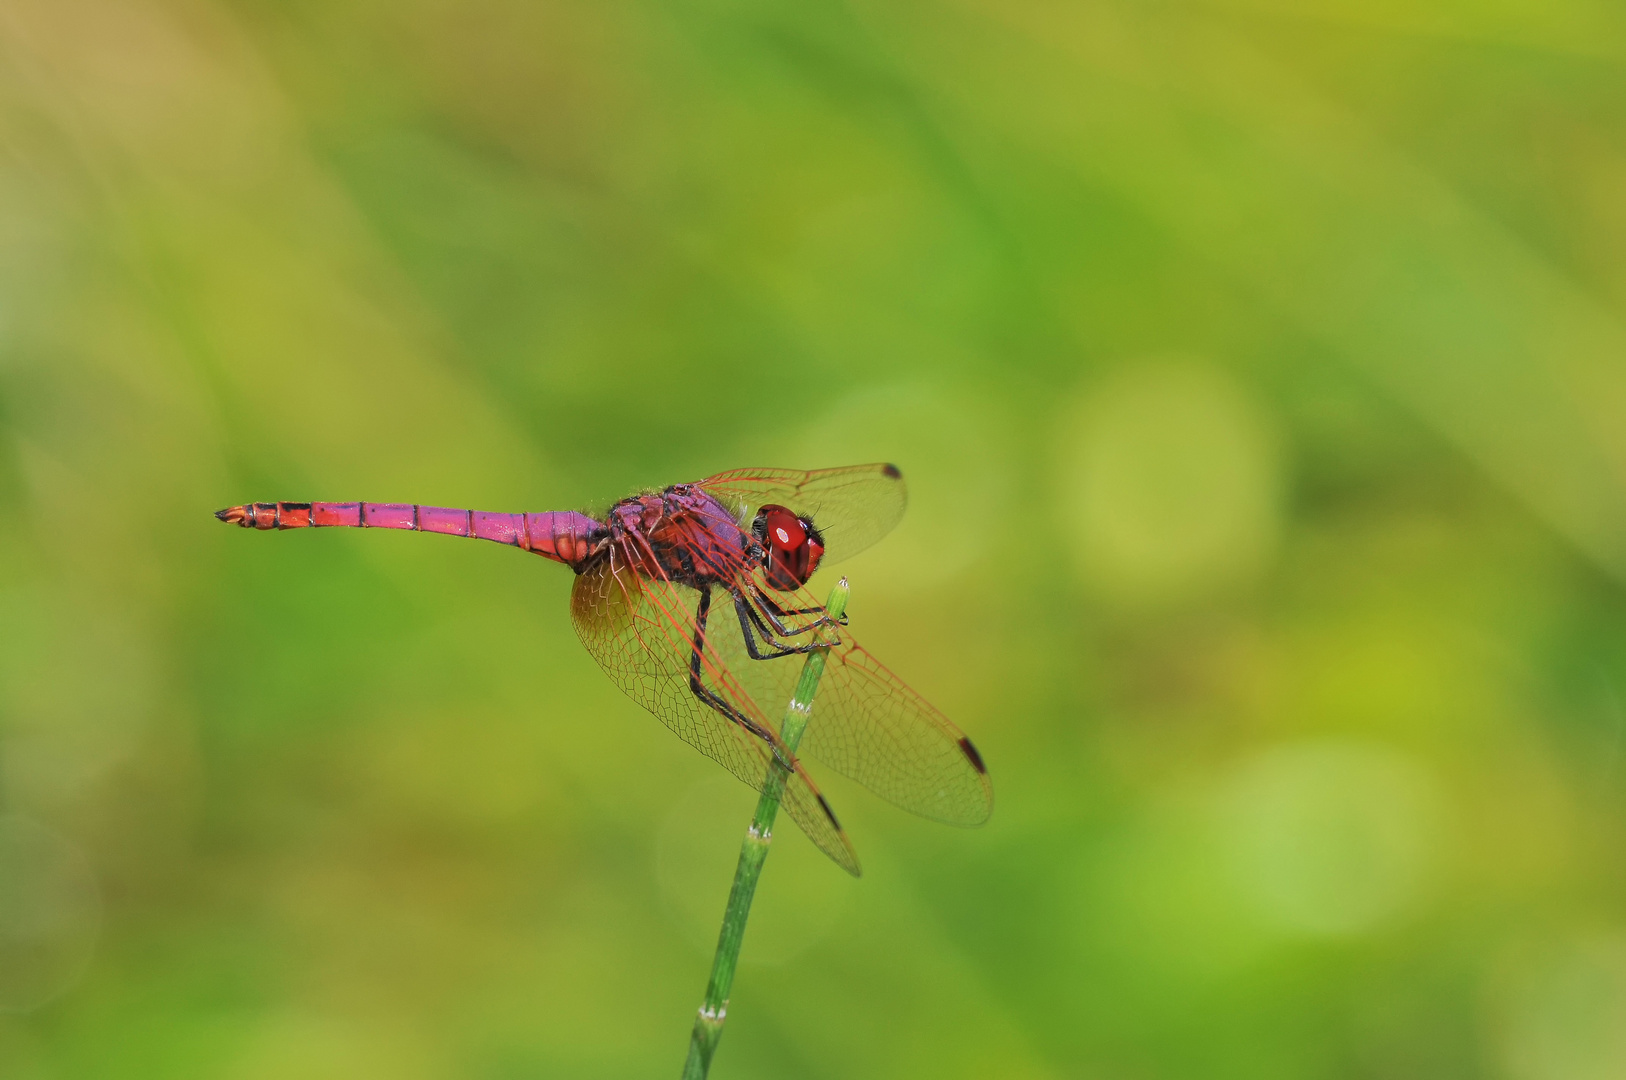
708	1025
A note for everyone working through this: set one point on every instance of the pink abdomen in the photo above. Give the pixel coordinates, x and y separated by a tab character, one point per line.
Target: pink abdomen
562	535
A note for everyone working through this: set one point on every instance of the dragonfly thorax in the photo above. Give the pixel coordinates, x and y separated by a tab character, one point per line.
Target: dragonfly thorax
683	535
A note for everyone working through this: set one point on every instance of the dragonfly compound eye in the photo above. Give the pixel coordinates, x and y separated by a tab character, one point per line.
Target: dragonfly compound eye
793	545
785	531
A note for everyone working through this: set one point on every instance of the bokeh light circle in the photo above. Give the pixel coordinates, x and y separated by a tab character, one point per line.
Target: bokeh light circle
1331	837
1170	483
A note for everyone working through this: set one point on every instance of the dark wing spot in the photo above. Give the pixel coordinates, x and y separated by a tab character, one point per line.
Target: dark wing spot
829	813
892	472
972	756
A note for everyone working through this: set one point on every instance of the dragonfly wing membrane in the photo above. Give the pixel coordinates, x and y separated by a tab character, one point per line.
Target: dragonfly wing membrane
887	737
852	507
868	725
642	633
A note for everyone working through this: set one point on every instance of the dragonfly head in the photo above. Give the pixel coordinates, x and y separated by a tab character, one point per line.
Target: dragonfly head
793	546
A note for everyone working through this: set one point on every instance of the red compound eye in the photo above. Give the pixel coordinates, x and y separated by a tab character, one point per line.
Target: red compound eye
785	531
794	547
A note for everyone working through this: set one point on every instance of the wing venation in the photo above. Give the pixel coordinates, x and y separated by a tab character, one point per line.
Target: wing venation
867	724
641	631
853	506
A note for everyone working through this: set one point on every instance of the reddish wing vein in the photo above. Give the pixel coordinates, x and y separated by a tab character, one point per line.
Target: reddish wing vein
868	724
852	507
641	632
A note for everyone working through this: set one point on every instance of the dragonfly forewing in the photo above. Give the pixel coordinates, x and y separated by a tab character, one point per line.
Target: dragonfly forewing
853	506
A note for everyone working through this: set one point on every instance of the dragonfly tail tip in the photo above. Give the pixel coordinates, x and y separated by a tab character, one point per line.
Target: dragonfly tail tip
231	514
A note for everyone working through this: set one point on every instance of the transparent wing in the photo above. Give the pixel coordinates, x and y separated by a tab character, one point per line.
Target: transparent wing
642	633
867	723
852	507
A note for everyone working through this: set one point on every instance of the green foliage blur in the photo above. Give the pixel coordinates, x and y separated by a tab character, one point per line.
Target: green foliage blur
1259	372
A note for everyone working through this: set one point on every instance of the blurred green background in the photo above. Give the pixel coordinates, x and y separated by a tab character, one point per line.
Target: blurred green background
1259	371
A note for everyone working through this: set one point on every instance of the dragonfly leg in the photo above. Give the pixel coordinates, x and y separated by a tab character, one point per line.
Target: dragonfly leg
770	604
713	699
748	617
765	608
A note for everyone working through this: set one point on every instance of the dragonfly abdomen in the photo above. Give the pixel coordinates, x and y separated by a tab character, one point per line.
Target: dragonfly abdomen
562	535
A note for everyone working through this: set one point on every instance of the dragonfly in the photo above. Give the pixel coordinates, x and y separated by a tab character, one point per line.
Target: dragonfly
693	599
